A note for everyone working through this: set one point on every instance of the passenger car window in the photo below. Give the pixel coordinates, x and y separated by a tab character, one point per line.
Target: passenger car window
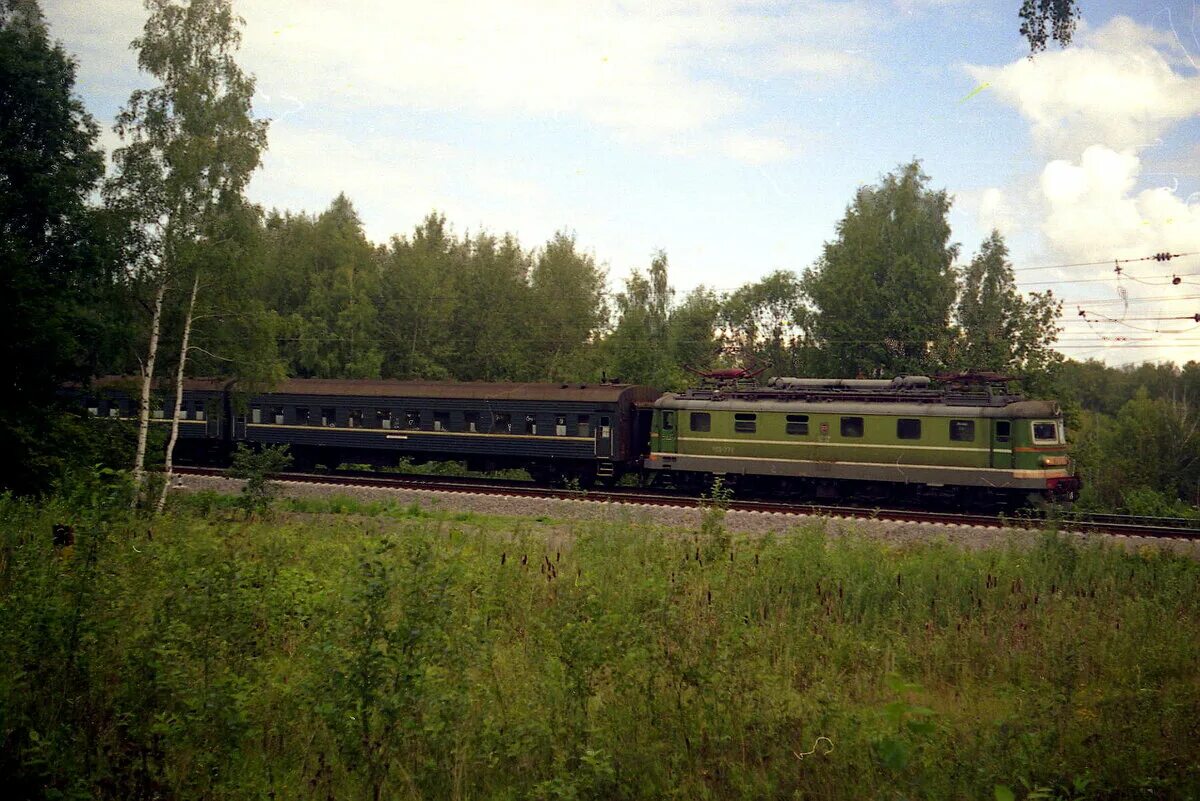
501	423
908	429
745	423
1045	431
852	426
328	416
472	421
385	417
584	425
701	421
441	421
962	430
797	424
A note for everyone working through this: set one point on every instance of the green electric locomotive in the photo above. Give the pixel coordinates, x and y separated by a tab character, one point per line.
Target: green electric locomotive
877	440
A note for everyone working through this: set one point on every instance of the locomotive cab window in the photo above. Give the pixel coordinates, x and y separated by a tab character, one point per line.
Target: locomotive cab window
441	421
1045	432
745	423
302	416
1003	431
852	426
472	421
797	424
908	429
384	416
328	416
668	419
701	421
962	430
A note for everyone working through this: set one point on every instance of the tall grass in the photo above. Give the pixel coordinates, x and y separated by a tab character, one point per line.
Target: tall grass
409	656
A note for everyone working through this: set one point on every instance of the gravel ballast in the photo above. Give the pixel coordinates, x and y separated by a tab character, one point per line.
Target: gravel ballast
683	519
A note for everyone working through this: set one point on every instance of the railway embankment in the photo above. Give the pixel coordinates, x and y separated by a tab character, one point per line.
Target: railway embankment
596	507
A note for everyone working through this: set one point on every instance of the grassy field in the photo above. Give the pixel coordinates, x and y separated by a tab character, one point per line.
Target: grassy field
368	652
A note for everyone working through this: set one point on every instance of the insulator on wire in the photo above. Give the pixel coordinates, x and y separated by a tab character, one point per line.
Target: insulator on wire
1162	256
1176	280
1082	313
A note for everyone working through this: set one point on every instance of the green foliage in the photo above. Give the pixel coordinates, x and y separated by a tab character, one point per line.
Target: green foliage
255	467
1145	460
763	321
882	292
404	655
1000	330
1042	20
56	257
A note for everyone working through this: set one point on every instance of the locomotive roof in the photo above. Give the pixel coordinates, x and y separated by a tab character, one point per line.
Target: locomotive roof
1015	409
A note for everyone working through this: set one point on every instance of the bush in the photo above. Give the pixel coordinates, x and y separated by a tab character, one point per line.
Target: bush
256	466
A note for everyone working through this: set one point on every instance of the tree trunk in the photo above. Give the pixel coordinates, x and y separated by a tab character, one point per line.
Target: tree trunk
139	460
183	352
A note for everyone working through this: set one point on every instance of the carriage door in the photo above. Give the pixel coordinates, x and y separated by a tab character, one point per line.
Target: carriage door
212	419
239	426
1002	455
604	436
667	434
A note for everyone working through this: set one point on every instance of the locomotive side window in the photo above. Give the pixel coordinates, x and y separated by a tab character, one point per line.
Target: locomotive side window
668	419
797	424
745	423
1003	431
962	430
584	423
502	423
852	426
441	421
328	416
302	416
472	421
1045	432
908	429
384	416
701	421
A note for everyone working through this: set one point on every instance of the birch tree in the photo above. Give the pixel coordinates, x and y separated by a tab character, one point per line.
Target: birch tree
189	146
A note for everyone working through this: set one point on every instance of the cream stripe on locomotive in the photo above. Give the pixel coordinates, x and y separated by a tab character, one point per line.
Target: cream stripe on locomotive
838	444
896	465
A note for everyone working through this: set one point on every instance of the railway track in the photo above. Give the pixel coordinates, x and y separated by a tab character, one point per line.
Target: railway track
1117	525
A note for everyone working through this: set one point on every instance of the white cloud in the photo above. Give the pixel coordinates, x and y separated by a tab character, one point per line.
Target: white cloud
1093	211
1117	86
648	70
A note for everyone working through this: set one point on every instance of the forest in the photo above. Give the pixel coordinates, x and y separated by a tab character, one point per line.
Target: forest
151	260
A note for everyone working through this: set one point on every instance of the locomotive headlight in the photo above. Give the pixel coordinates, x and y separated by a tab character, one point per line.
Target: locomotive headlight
1054	461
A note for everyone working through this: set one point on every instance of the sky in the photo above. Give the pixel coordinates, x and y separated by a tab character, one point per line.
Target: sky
733	135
